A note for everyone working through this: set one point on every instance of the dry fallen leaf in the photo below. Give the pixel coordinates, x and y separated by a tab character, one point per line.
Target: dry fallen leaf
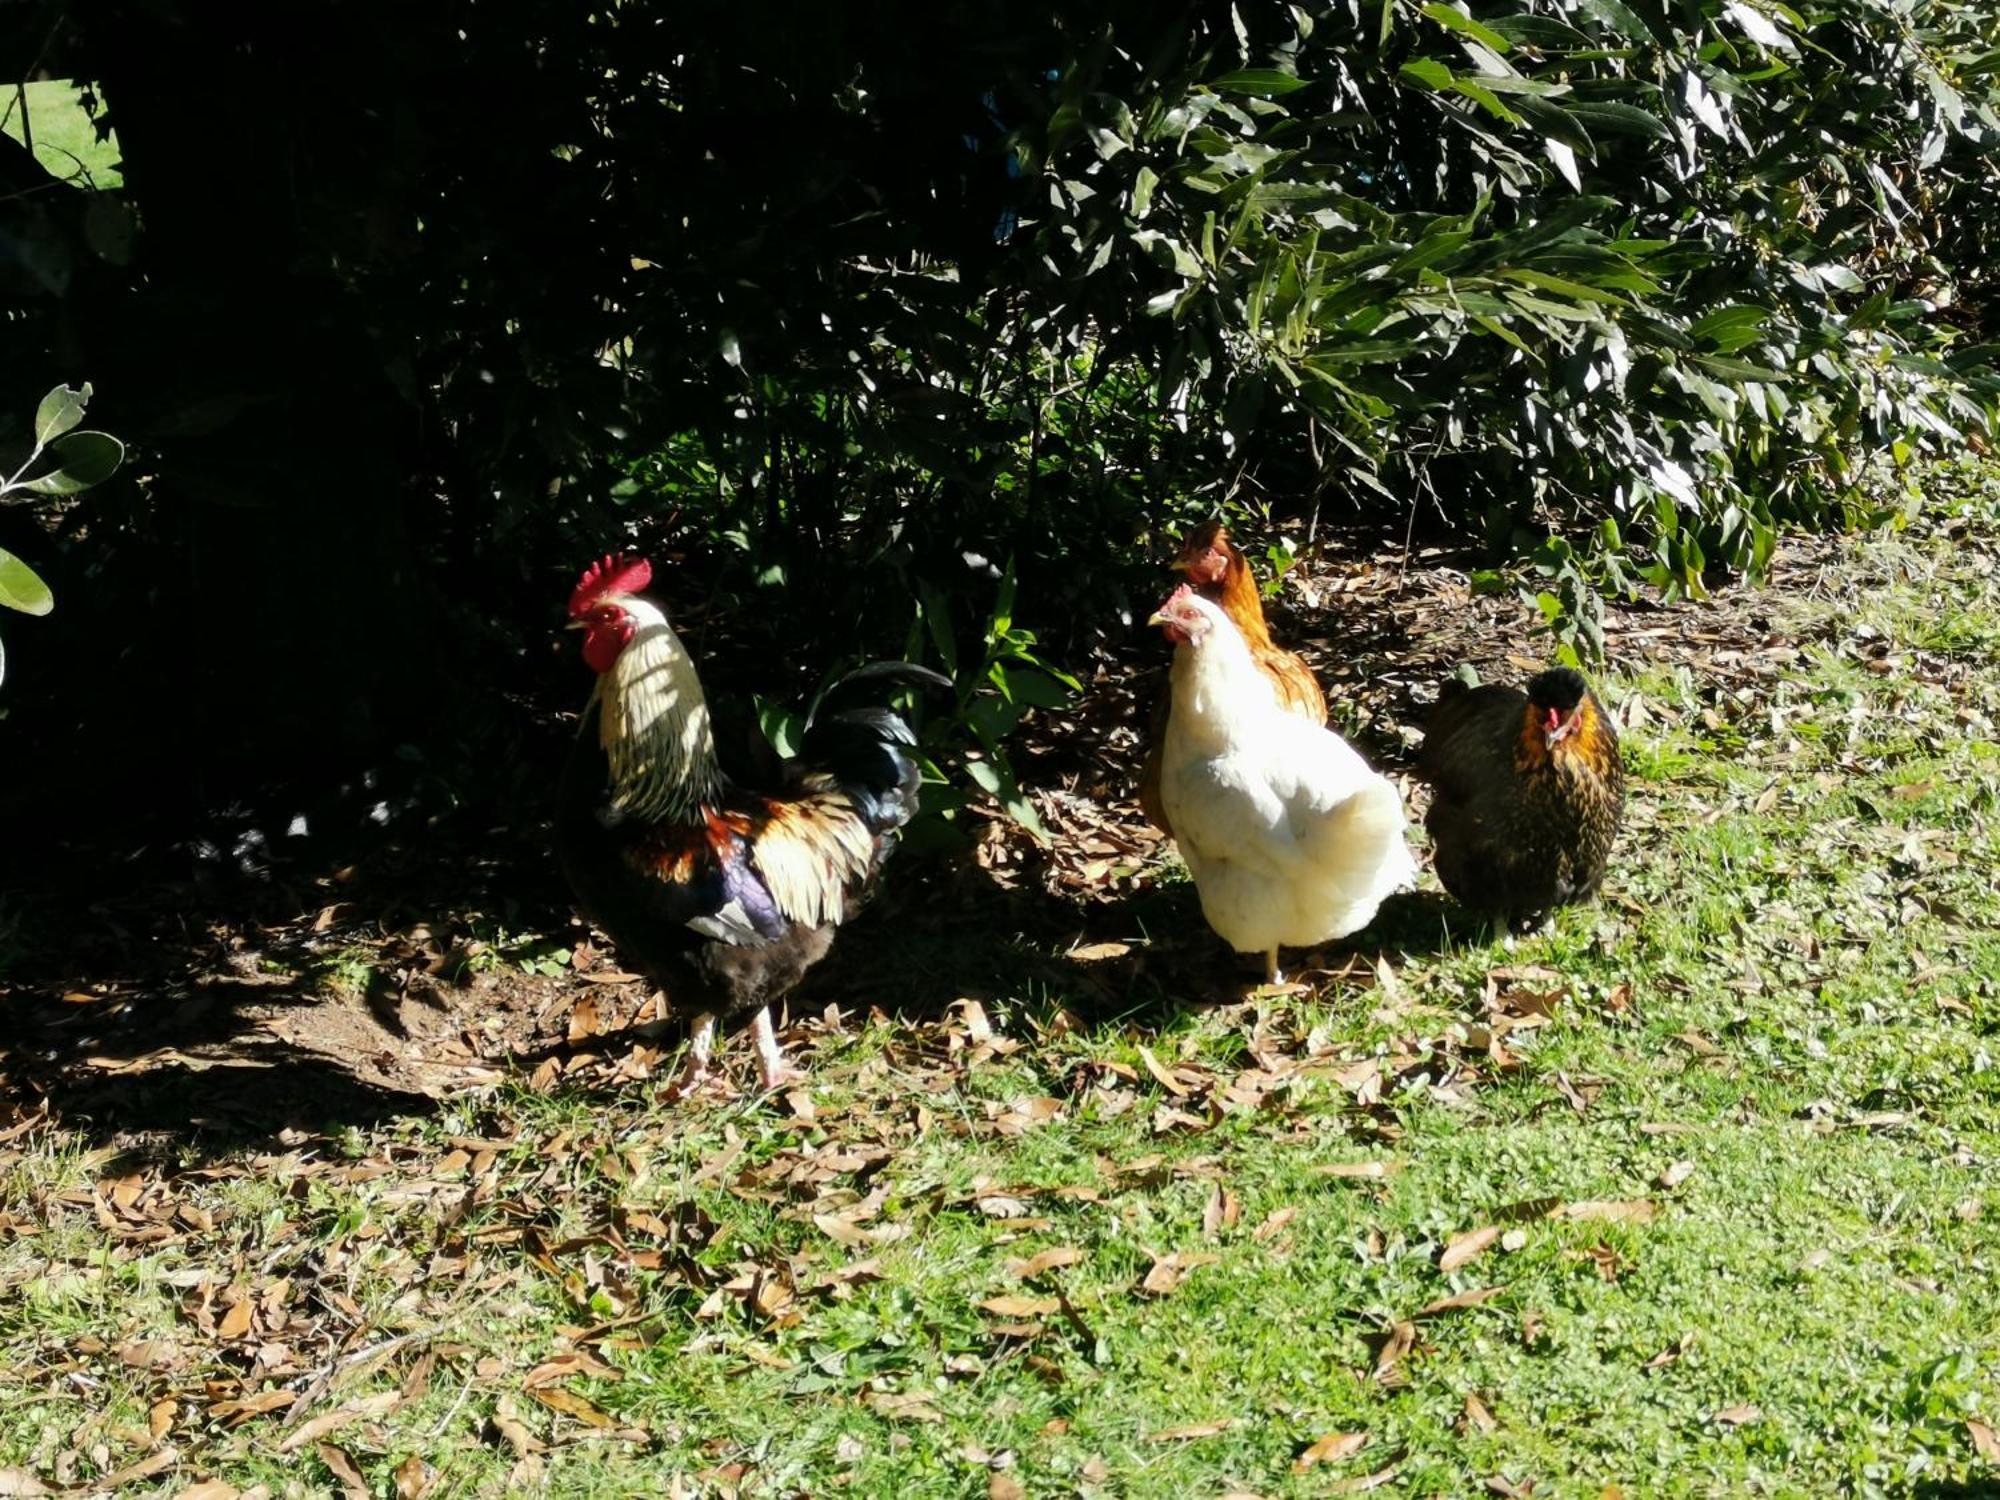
1627	1211
572	1405
1278	1220
1361	1482
1163	1076
1191	1430
1401	1338
1676	1174
1330	1449
1361	1169
1021	1307
1005	1487
1478	1414
1984	1441
19	1484
1457	1300
413	1478
505	1422
1091	953
1461	1248
342	1467
1737	1416
332	1421
851	1234
1221	1212
1043	1262
1169	1271
236	1322
914	1406
201	1489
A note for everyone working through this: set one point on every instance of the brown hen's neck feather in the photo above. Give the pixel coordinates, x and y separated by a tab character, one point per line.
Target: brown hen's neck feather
1238	595
653	724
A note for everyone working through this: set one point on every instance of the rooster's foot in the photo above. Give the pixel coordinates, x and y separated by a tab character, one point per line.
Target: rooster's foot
772	1066
700	1069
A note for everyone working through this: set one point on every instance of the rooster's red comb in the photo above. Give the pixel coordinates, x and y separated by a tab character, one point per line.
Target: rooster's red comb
611	574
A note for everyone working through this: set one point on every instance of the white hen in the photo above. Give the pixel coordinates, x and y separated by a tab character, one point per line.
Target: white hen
1292	840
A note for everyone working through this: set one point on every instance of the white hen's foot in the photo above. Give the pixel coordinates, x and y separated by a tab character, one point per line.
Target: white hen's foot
1271	974
700	1067
771	1062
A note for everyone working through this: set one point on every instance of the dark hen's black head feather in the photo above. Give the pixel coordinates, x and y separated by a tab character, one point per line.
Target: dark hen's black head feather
1559	687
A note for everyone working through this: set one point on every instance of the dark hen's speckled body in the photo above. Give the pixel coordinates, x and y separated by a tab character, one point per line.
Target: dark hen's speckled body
1518	826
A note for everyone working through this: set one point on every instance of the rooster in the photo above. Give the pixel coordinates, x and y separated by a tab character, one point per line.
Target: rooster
722	896
1291	839
1216	568
1528	792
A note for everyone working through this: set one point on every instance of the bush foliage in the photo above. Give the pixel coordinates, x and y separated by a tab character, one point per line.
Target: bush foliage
1624	285
898	306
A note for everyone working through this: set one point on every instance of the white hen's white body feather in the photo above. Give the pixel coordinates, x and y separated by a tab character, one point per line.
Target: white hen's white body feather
1291	839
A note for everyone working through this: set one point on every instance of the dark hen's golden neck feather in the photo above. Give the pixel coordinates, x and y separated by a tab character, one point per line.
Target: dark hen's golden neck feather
1590	748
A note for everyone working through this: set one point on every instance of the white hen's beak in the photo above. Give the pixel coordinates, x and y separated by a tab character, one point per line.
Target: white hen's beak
1159	617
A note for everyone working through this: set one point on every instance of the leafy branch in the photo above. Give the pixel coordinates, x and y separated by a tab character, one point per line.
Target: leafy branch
80	459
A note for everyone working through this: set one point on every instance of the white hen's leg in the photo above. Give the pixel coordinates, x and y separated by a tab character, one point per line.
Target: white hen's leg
770	1056
1271	974
701	1057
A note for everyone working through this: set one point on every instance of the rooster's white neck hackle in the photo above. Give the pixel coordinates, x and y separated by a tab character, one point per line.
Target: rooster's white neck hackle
1221	700
653	723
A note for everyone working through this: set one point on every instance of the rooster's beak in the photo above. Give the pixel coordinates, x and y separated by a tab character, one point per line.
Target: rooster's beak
577	625
1159	617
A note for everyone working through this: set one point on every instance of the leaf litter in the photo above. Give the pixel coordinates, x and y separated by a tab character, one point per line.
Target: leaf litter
280	1343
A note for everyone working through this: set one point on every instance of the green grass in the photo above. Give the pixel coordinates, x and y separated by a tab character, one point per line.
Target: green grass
1788	1008
65	141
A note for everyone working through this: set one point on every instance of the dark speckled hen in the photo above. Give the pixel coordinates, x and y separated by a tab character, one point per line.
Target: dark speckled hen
721	895
1528	790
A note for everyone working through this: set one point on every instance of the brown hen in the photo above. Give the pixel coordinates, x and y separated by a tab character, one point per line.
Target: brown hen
1528	792
1216	568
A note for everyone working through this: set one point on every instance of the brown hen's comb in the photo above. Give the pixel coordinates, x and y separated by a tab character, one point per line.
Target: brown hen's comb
610	574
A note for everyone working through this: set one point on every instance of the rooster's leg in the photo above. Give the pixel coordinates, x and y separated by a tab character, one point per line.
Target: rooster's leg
701	1054
1271	974
770	1056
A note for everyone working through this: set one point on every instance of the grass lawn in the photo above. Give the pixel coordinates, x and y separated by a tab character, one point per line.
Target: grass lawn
1695	1194
64	140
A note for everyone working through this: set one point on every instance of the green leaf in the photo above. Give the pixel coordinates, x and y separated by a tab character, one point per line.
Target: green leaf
21	589
1485	98
1258	81
82	460
1036	689
937	620
1608	117
1572	289
1142	194
1540	31
1427	71
61	409
1730	328
985	775
1621	18
781	726
1453	20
